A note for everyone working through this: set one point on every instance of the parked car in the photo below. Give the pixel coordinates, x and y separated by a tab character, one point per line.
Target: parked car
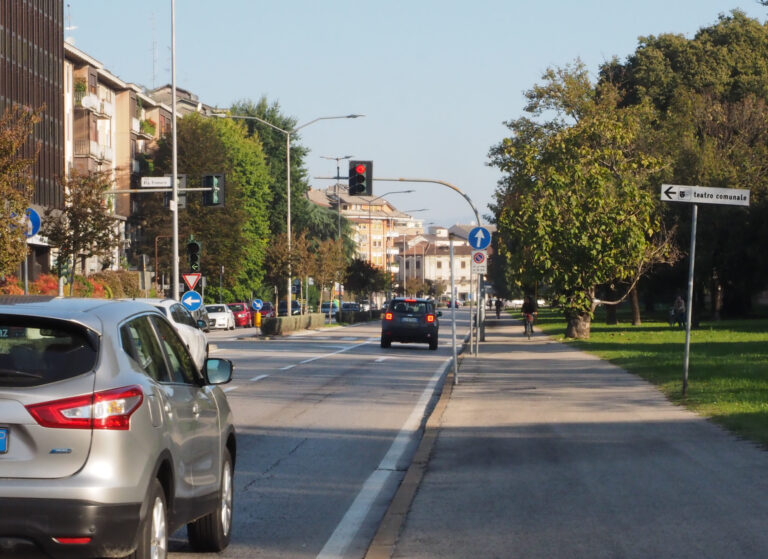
243	315
364	305
202	314
111	436
410	320
222	316
328	306
191	330
282	305
267	310
349	306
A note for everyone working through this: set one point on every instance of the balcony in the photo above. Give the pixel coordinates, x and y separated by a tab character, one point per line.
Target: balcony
147	128
135	125
87	148
106	110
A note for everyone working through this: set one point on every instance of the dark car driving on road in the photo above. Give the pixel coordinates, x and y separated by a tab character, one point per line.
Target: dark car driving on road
410	320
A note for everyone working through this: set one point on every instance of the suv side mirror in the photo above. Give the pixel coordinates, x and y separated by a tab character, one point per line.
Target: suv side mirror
218	371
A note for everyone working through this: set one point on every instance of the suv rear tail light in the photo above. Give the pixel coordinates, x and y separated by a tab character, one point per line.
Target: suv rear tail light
110	409
388	316
430	318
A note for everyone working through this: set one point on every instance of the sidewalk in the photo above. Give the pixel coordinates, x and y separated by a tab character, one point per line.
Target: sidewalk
544	451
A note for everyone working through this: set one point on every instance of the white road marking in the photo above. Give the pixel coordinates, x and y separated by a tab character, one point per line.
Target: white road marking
230	388
345	532
382	359
258	378
289	367
342	350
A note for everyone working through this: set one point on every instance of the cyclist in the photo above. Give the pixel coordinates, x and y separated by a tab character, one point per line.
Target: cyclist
529	310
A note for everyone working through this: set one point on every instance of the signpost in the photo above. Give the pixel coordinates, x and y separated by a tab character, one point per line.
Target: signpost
698	195
156	182
479	262
192	300
191	280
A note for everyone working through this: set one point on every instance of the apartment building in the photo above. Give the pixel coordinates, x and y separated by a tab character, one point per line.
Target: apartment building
110	125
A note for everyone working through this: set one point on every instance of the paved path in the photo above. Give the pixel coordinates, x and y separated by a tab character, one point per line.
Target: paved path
544	451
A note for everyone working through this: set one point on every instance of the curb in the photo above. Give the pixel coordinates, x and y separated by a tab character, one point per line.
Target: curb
383	544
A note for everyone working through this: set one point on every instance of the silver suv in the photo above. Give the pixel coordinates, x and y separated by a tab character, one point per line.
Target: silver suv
111	437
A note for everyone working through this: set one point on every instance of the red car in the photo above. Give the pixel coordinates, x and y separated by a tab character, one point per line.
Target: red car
267	310
242	312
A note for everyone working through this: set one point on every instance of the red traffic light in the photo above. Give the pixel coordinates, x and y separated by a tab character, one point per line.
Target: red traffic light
360	169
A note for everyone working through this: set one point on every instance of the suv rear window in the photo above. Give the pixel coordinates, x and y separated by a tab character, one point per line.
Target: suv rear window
411	307
38	351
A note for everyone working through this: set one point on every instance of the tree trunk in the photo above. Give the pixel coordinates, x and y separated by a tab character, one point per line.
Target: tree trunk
717	296
610	315
578	326
635	301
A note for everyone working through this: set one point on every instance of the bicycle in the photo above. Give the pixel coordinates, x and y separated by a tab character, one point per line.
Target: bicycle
528	320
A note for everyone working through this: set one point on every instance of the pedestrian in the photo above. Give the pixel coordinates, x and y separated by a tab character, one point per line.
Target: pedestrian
498	308
678	311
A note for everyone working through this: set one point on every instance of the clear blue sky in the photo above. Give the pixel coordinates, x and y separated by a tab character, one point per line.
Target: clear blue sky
436	79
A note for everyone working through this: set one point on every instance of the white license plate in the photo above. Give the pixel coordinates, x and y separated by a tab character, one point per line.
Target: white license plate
409	319
3	440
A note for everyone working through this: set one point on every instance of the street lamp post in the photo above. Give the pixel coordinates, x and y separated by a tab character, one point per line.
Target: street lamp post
338	177
287	174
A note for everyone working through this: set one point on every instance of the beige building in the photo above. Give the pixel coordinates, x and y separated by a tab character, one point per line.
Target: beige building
109	125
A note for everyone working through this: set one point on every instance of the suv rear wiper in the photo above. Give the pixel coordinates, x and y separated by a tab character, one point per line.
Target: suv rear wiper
10	373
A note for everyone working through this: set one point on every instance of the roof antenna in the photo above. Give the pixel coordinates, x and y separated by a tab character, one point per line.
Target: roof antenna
69	27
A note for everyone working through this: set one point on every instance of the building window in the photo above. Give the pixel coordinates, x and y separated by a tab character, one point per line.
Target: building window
439	264
463	266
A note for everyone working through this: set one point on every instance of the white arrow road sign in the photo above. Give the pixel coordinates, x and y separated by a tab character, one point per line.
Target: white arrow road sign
704	195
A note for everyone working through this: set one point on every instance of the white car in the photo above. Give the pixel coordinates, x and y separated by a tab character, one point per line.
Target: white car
221	316
191	331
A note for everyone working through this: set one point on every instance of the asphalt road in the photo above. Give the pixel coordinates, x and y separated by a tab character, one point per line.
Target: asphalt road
325	426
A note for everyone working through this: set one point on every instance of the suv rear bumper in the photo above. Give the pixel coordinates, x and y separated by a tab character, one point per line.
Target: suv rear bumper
399	334
28	526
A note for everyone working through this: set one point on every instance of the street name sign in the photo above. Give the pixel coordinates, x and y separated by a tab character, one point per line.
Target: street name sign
479	238
191	279
704	195
479	262
191	300
156	182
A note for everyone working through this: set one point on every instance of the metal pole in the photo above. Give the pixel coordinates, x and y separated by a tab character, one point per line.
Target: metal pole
453	318
288	309
689	308
175	162
402	263
26	272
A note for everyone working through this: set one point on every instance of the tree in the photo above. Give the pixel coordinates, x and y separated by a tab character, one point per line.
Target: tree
86	226
234	235
302	260
575	210
329	264
15	184
710	93
274	146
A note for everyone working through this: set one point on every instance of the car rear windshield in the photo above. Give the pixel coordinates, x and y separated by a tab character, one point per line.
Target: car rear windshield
237	306
37	351
216	308
411	307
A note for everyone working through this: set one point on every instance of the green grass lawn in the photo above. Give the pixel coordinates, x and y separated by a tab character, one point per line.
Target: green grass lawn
727	374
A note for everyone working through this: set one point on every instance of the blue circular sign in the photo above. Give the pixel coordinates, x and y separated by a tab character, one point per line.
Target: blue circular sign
257	304
479	238
191	300
32	222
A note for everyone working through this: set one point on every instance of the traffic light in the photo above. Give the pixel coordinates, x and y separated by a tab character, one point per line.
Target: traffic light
193	252
361	178
215	196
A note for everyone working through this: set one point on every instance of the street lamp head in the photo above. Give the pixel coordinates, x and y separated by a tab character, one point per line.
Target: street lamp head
354	116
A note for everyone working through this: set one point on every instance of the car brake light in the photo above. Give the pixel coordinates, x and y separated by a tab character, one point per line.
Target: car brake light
410	300
72	541
110	409
430	318
388	316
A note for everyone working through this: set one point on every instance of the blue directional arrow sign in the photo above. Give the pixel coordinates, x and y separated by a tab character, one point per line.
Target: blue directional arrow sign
479	238
257	304
33	222
191	300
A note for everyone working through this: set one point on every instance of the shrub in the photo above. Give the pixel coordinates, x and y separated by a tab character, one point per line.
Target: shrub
10	286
